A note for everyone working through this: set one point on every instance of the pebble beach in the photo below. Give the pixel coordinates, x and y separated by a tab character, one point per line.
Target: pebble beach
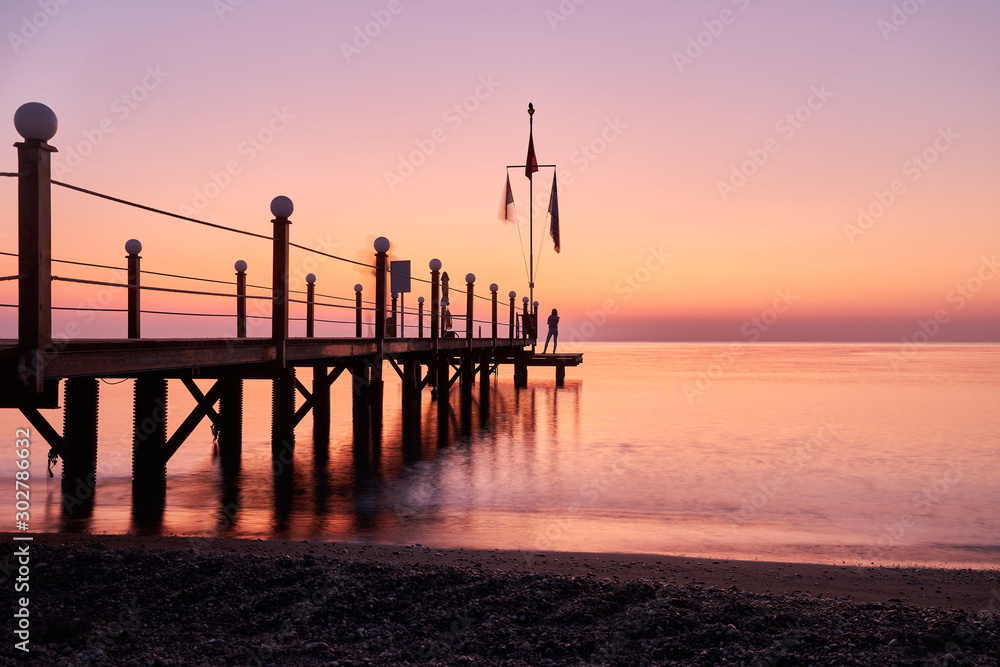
155	601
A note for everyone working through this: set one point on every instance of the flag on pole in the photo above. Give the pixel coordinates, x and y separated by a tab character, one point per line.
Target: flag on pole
554	213
507	205
531	163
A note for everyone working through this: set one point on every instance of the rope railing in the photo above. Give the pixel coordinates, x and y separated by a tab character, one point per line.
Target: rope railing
152	209
134	270
157	289
320	303
326	254
174	275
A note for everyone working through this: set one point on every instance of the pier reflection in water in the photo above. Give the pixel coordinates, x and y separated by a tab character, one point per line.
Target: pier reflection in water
379	486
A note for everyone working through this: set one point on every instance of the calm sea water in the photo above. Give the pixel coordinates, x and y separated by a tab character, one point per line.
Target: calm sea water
826	453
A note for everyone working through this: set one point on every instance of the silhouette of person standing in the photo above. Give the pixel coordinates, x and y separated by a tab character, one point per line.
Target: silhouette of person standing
553	322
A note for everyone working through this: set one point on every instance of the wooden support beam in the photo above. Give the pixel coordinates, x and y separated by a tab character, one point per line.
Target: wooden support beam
199	397
193	419
37	419
306	394
399	371
311	397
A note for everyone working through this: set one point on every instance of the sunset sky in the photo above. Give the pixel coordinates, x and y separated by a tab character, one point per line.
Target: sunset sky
833	160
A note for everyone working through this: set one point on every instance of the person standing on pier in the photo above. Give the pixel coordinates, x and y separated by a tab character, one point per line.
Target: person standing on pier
553	322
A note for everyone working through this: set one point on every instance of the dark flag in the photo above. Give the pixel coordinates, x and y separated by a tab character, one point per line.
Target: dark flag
507	205
554	213
531	163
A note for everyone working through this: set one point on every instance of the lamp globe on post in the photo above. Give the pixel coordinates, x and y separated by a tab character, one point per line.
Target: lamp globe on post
35	122
240	266
434	264
282	207
133	247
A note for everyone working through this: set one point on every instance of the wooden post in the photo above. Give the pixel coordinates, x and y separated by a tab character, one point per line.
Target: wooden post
560	375
360	410
231	427
512	295
435	265
37	124
376	383
534	324
411	409
381	259
468	377
411	393
321	404
357	307
493	291
133	247
149	437
484	385
283	415
241	299
281	208
320	388
520	374
442	371
470	298
395	315
79	474
420	317
525	321
311	305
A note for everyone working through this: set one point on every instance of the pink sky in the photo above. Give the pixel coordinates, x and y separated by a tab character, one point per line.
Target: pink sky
698	183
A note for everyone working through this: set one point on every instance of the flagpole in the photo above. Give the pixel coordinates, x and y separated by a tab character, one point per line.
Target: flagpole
531	217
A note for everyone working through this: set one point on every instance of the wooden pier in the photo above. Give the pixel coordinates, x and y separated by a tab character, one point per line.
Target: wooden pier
34	367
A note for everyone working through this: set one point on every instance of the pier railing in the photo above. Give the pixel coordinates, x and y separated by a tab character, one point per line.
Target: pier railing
436	315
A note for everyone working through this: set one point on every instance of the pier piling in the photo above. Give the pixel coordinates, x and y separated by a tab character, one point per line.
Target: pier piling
79	476
283	413
231	425
149	437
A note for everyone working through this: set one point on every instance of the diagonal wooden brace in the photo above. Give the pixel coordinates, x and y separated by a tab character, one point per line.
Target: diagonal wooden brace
203	408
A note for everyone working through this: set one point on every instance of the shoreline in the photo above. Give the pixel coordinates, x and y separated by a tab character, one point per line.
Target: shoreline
969	589
151	601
